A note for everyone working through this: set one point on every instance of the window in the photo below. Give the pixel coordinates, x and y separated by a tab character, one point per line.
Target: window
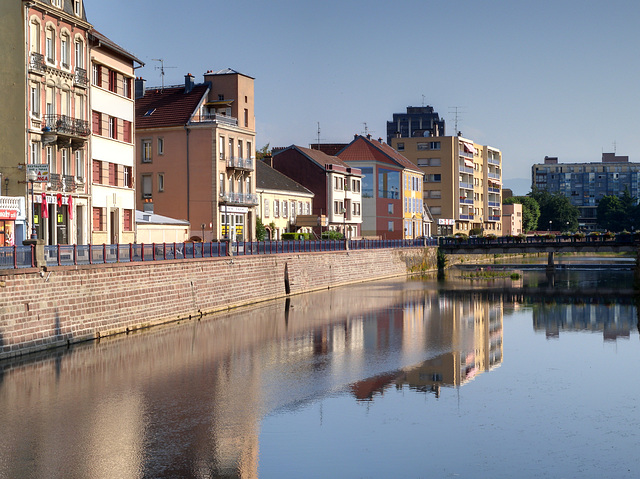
222	143
50	159
97	74
35	101
436	210
64	50
276	209
160	146
99	222
433	178
265	213
79	54
231	147
221	184
77	7
35	153
249	152
146	187
240	149
126	87
113	81
356	209
285	208
96	121
128	176
126	131
127	223
390	208
246	118
113	128
50	42
160	182
113	174
435	194
390	226
146	151
35	37
66	163
400	146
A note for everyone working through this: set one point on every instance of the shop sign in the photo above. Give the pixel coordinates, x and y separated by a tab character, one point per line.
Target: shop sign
8	214
234	209
446	222
41	171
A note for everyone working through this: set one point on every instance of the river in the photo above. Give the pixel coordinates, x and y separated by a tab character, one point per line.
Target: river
530	376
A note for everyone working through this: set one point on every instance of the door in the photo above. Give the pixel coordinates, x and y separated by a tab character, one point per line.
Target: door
113	226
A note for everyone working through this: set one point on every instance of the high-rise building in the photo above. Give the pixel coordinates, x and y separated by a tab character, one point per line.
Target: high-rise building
418	121
585	184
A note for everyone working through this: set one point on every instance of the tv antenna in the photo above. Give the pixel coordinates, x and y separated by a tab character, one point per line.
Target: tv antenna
161	68
456	110
422	100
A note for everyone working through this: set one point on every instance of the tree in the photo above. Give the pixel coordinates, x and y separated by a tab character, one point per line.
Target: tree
618	213
556	211
530	211
262	152
261	231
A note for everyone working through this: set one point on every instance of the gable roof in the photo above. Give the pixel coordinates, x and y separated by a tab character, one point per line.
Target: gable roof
96	35
268	178
168	107
227	71
316	156
365	149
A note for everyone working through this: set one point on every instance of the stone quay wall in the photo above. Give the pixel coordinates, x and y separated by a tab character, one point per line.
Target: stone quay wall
42	309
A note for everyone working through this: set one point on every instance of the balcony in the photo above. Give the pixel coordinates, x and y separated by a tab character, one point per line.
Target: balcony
216	118
466	201
466	217
493	161
66	126
494	175
80	78
493	203
494	190
494	218
37	63
240	163
245	199
467	186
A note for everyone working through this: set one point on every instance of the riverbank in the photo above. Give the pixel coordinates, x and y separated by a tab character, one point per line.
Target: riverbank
63	305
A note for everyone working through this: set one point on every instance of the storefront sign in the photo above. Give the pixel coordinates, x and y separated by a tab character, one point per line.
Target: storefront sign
234	209
8	214
446	221
41	171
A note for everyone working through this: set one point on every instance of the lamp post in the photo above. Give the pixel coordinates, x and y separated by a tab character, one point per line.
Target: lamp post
32	178
549	226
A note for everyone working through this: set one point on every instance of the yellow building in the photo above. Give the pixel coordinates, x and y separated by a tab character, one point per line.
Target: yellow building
462	182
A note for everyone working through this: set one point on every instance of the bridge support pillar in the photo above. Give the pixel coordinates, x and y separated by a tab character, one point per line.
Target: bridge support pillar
550	264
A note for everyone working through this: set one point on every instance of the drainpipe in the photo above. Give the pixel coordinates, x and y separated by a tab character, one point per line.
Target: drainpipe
186	129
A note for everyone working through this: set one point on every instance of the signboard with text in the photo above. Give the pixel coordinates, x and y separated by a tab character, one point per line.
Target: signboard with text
446	221
41	171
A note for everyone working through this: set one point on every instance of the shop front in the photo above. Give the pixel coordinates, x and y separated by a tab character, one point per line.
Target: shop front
8	226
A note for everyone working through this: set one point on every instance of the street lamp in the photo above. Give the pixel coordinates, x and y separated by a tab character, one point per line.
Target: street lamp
550	226
32	178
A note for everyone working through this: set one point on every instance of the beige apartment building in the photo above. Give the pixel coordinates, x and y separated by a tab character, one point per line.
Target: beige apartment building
462	182
512	219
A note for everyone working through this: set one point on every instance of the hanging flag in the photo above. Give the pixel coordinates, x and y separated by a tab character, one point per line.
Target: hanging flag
70	207
59	199
43	206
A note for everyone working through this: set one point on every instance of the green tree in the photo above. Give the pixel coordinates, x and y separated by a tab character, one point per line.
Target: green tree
618	213
530	211
262	152
261	231
556	211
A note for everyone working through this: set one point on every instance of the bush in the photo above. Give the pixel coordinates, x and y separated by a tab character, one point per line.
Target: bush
491	236
332	235
294	236
475	232
609	235
578	235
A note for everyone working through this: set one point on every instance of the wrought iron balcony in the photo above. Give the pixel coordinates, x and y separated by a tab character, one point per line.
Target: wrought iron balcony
37	62
240	163
247	199
55	182
66	125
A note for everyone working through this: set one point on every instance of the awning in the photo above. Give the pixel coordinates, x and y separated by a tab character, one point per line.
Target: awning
468	163
469	148
219	104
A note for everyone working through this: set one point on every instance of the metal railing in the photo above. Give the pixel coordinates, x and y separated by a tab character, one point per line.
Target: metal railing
241	198
66	125
16	257
214	117
240	163
37	62
80	78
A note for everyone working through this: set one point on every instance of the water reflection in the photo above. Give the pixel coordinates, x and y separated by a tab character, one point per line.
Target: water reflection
188	400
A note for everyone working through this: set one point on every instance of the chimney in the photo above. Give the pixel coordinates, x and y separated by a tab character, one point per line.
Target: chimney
368	136
355	137
141	84
380	140
189	82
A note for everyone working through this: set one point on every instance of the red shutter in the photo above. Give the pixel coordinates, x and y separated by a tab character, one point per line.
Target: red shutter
97	123
127	220
126	131
112	174
97	171
97	219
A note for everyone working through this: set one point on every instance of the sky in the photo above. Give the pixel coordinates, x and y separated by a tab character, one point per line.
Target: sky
533	79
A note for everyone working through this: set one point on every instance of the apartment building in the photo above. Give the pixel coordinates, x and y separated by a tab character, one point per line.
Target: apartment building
282	202
195	150
336	187
420	121
113	199
512	219
392	204
45	133
585	184
462	182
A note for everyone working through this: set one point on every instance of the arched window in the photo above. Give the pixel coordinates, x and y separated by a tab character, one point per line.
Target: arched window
65	50
79	49
50	45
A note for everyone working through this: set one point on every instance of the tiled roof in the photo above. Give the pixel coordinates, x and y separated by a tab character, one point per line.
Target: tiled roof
268	178
364	149
318	157
168	107
113	46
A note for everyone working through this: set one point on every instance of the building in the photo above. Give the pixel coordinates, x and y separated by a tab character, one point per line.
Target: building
152	228
392	205
512	219
113	151
44	117
462	182
284	205
417	122
195	148
585	184
336	187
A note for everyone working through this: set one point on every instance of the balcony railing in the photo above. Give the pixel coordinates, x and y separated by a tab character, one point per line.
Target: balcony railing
493	203
494	218
494	175
494	190
240	163
466	217
468	186
80	78
215	118
66	125
466	201
240	198
37	62
493	161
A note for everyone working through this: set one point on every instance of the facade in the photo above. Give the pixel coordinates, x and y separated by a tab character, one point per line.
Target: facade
112	142
336	187
44	117
512	219
195	149
392	204
283	203
462	182
152	228
585	184
418	122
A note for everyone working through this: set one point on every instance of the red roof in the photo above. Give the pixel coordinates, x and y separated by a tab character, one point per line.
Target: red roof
320	157
168	107
364	149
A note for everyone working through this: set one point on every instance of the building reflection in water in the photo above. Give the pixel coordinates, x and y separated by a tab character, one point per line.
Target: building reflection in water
188	400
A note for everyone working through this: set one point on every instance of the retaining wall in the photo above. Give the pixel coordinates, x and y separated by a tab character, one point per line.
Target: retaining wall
43	309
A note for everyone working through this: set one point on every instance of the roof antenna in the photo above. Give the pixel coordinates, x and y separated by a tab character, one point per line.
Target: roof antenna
454	109
161	68
423	100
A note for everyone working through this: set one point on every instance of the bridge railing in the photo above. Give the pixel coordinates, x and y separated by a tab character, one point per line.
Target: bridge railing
619	239
15	257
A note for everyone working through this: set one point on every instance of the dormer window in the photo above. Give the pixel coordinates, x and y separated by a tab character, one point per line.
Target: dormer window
56	3
77	7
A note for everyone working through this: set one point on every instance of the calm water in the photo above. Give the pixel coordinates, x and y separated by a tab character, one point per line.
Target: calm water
534	377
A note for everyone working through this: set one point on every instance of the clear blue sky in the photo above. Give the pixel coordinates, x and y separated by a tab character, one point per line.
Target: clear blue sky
550	77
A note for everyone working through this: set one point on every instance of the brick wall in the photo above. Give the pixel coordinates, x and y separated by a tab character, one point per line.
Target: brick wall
70	304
